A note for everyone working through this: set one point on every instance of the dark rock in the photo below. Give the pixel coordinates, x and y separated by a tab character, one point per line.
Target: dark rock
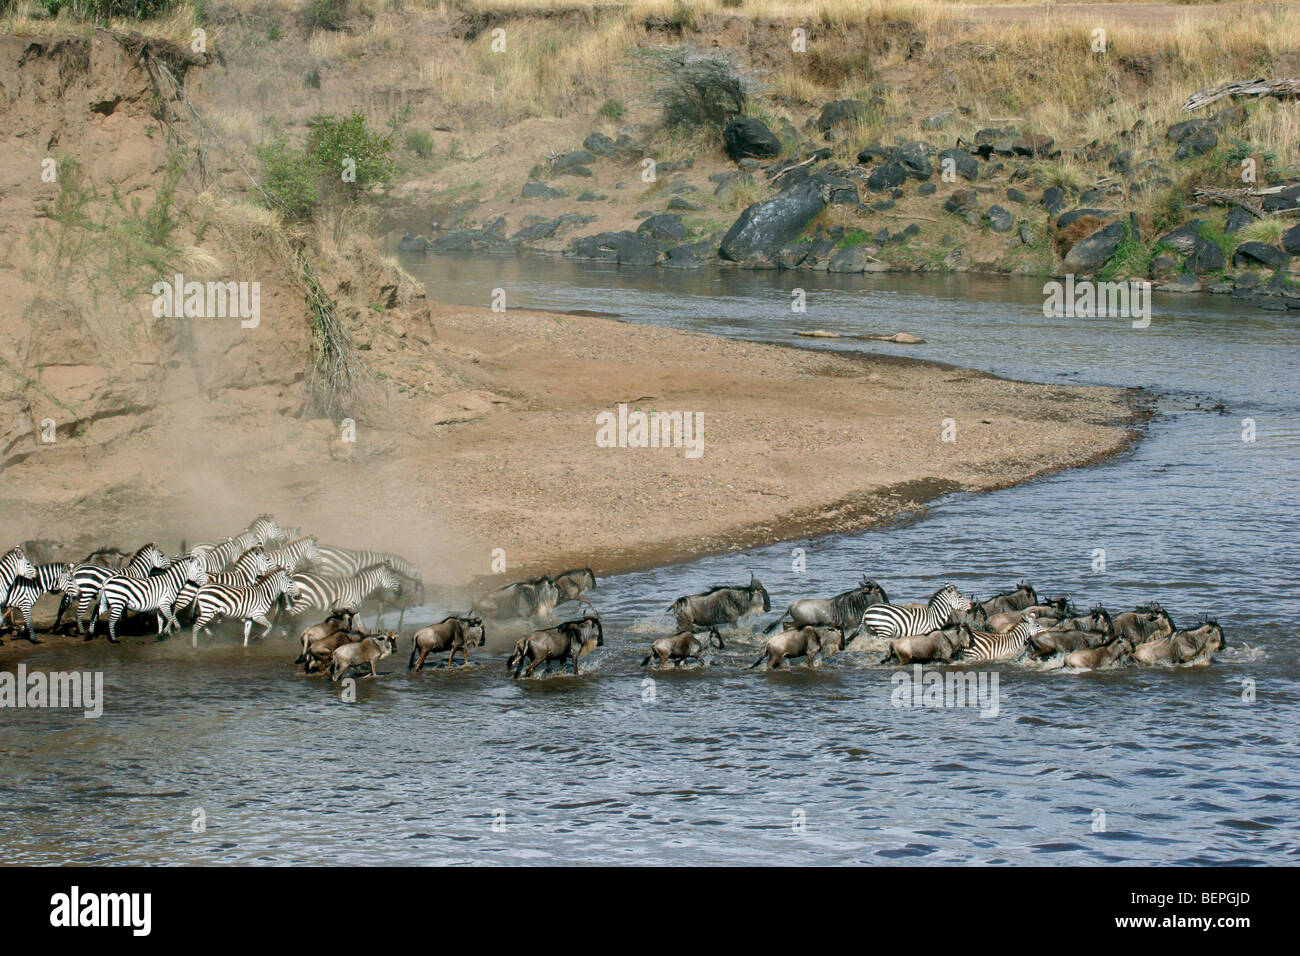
1074	215
840	113
746	136
577	157
1053	199
1182	239
598	144
887	176
1163	265
589	196
1288	198
410	242
666	227
1182	131
773	222
850	259
625	248
1092	253
960	162
883	206
964	203
927	189
914	159
573	171
874	153
1182	283
1291	240
543	229
1199	142
534	189
999	219
1026	234
1237	217
1206	257
1250	254
1015	195
683	205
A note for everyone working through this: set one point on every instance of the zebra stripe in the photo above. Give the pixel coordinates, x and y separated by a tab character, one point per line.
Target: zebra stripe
246	603
252	564
89	580
14	565
156	593
345	562
904	620
987	646
26	591
295	554
319	593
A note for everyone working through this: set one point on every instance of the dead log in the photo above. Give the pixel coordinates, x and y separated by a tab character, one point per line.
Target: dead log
1285	89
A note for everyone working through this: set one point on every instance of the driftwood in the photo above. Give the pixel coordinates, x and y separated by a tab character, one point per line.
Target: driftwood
1287	88
1241	198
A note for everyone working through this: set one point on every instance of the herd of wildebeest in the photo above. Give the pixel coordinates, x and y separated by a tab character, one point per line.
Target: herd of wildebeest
274	578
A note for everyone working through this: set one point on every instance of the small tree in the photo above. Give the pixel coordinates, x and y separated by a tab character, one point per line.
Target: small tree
699	89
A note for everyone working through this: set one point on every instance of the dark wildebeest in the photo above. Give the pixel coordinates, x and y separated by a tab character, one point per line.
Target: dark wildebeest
810	642
1148	622
532	600
940	645
843	610
725	604
321	651
1183	647
368	651
1048	615
564	642
1098	619
342	619
1074	634
1019	599
680	647
451	633
1092	657
573	584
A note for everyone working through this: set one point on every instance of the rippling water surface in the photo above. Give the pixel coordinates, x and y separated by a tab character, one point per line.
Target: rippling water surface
718	764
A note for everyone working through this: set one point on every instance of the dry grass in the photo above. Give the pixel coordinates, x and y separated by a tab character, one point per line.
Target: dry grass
25	19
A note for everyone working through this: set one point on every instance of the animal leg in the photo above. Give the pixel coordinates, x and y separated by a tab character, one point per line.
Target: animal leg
31	629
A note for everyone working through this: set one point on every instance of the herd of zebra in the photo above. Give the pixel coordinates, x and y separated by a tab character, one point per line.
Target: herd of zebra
261	570
267	575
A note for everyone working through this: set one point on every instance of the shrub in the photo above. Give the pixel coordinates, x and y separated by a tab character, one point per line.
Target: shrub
326	14
420	143
300	182
699	89
287	180
101	11
611	109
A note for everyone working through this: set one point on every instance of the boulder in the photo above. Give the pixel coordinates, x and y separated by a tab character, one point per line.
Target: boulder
625	248
841	114
999	219
572	160
1053	199
1206	257
850	259
960	162
1291	240
1182	239
1090	254
887	176
1198	142
770	223
665	226
410	242
913	157
543	229
1066	218
1250	254
535	189
746	136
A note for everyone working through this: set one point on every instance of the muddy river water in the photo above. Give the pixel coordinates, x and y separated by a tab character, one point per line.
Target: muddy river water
719	764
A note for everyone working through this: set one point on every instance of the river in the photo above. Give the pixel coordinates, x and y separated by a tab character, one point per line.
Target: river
228	755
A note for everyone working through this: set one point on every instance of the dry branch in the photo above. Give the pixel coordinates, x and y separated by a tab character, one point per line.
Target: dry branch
1287	88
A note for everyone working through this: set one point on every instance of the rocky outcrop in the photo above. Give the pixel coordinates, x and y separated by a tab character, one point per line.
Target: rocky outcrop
771	223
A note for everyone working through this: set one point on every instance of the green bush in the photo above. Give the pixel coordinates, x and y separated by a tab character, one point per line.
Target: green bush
101	11
611	109
420	143
300	181
326	14
288	180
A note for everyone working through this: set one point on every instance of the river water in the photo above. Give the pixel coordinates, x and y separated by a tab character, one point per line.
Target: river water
719	764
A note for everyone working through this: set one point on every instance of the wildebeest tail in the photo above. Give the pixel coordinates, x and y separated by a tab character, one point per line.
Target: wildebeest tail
415	652
778	622
647	659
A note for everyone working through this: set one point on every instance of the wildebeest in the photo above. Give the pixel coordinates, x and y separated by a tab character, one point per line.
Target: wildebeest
724	604
1093	657
532	600
565	642
369	651
342	619
843	610
811	642
680	647
1098	619
320	652
941	645
573	584
455	633
1148	622
1019	599
1183	647
1047	614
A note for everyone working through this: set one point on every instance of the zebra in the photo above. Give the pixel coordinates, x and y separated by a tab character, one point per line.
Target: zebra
252	564
218	557
345	562
14	565
156	593
894	621
317	592
248	603
296	553
26	591
987	646
90	578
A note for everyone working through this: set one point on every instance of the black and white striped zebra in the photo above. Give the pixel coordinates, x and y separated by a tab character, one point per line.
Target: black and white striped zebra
157	593
14	565
298	553
904	620
317	592
90	578
220	556
249	604
986	646
345	562
26	591
252	564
